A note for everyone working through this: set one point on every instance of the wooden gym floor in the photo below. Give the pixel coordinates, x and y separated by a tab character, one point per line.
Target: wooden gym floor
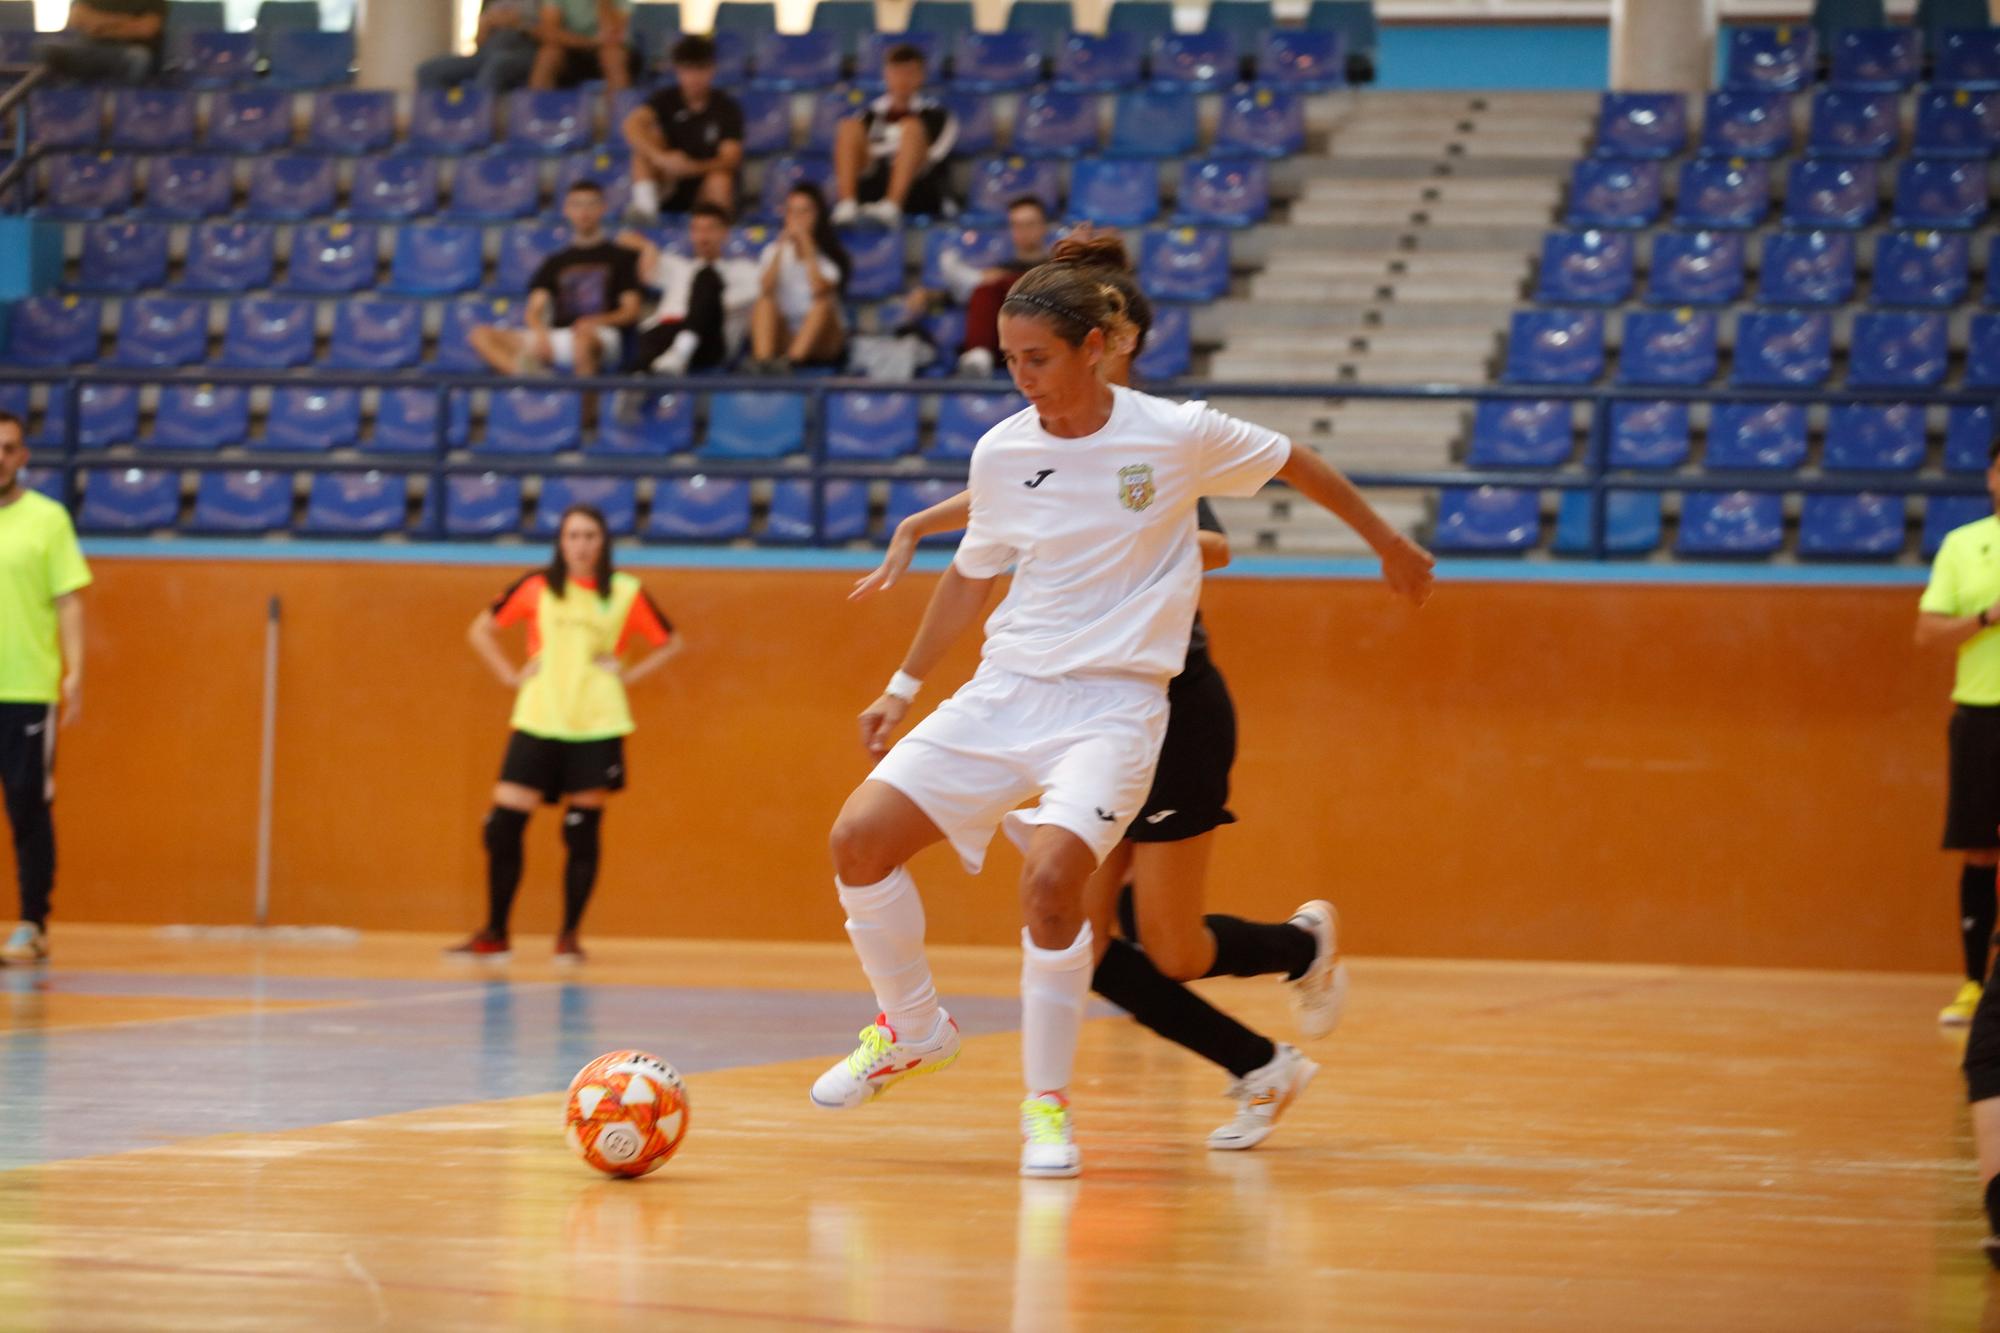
215	1135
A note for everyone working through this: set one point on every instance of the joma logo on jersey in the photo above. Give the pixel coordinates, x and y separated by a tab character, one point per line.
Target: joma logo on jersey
1135	486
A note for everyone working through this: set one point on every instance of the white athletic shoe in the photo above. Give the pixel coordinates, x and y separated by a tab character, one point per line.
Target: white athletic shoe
846	213
884	212
883	1060
1048	1140
28	944
1261	1097
1319	998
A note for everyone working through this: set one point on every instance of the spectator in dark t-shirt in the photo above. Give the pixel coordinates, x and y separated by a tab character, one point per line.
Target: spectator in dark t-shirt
109	41
687	140
890	159
580	300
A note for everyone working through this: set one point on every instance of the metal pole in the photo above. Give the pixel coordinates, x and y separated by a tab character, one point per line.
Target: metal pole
267	763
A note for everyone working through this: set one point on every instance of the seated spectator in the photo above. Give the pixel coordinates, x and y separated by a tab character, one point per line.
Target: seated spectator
890	159
581	40
797	319
504	54
981	290
687	140
705	299
109	41
579	301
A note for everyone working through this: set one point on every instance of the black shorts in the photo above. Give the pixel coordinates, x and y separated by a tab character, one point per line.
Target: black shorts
1972	810
1982	1048
28	750
581	66
926	197
558	768
1190	792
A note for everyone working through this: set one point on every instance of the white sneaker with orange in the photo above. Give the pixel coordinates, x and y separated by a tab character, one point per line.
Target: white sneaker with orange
1261	1097
883	1060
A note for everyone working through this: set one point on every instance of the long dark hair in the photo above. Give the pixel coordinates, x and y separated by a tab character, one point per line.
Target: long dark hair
557	573
824	236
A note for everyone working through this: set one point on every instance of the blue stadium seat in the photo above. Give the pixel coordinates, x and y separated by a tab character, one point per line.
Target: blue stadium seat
279	15
152	120
1632	126
1113	193
486	505
356	504
1968	437
979	247
978	128
352	122
1052	124
847	20
54	330
998	181
945	328
162	331
329	258
523	247
1223	192
643	425
1968	58
1807	268
18	47
451	122
1731	523
1303	60
268	334
65	118
495	187
877	257
1150	123
793	62
1958	123
550	122
872	47
732	59
312	420
1184	264
1756	437
1049	20
1753	125
1850	124
1586	267
1195	62
610	171
1091	64
1632	523
1922	268
781	173
129	499
87	185
993	62
1268	122
1696	268
746	18
437	259
828	110
454	351
844	518
1874	437
123	257
304	61
47	481
218	60
1894	349
1982	353
1723	192
201	416
964	417
1832	17
870	425
913	497
377	335
767	122
251	120
1145	19
755	425
1877	60
1555	347
1825	192
1245	21
1608	193
1487	519
617	498
290	189
700	509
106	414
1846	527
533	421
189	188
944	19
407	422
1521	432
1668	347
1648	435
394	188
227	257
1771	60
1944	513
1783	348
1940	192
1169	349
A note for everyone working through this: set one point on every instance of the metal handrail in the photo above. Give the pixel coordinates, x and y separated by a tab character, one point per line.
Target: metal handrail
23	162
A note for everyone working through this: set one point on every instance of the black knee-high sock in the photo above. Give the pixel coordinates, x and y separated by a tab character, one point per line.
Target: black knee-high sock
34	852
504	828
1256	948
580	830
1976	912
1129	980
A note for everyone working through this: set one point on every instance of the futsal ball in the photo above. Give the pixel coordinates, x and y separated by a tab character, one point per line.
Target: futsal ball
627	1113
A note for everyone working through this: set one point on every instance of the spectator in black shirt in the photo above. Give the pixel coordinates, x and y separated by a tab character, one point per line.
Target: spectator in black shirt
890	159
687	140
579	301
109	41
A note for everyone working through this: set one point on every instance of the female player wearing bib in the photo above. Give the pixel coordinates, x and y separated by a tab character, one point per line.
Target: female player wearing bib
1089	494
570	714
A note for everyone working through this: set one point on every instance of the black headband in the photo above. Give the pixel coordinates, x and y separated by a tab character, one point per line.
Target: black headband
1053	307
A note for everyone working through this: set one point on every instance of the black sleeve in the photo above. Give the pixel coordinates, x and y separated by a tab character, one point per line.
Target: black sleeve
728	118
1206	520
546	274
661	104
624	274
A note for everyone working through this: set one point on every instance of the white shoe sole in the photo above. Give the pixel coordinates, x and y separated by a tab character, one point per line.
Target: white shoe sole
1308	1070
1311	1024
1066	1171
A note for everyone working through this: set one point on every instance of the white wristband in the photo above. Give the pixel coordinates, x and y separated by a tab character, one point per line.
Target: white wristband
904	686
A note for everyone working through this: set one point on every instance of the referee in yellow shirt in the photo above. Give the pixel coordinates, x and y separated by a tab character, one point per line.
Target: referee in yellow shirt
41	662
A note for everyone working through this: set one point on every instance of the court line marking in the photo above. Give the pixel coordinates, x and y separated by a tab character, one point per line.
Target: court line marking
250	1008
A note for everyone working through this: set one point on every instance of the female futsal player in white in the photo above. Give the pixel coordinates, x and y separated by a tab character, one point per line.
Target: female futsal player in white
1089	494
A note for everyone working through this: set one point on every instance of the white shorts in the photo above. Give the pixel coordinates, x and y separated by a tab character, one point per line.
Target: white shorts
1087	745
562	347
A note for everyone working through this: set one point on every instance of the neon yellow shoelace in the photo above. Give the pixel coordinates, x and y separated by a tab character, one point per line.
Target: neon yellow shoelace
1043	1121
874	1041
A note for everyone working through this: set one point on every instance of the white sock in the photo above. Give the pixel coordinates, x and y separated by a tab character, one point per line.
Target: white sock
1055	983
886	923
674	361
646	198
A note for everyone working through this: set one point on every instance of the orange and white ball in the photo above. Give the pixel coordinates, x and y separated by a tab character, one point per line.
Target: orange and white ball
627	1113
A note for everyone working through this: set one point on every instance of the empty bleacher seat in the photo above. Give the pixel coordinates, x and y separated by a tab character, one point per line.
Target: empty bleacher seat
268	334
643	424
700	509
65	118
1488	519
1144	18
1875	437
1195	62
843	517
190	188
1304	60
123	257
1882	60
876	256
1731	523
1792	348
1945	513
376	335
1054	124
1114	193
755	425
1184	264
941	18
746	18
867	425
413	420
1968	437
1898	349
162	331
1968	58
1354	20
1826	192
981	248
1086	63
1771	60
1940	192
907	498
106	414
1958	123
964	417
228	257
828	110
1756	437
1922	268
533	421
451	122
1648	435
1668	347
1604	192
1851	526
1632	523
1049	20
152	120
1830	18
1807	268
1641	125
550	122
1150	123
847	20
87	185
218	60
991	62
1169	348
483	505
495	187
998	181
1851	124
332	257
609	171
1696	268
1723	192
201	416
1591	267
129	499
254	120
291	188
617	498
437	259
454	349
1744	124
767	122
1223	192
978	128
792	62
356	504
352	122
1982	353
54	330
1555	347
309	419
393	188
1521	432
1270	123
1244	20
304	61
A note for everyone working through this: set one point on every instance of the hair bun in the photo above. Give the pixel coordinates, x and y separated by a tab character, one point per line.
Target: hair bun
1101	250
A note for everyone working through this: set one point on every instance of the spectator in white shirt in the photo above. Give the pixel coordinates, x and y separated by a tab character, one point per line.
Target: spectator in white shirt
705	299
797	320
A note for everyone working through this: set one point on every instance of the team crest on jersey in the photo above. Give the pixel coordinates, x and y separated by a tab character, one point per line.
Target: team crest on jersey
1135	486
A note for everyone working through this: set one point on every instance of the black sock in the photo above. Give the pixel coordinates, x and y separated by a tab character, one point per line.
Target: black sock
34	852
1129	980
1993	1208
1128	919
1976	912
580	828
504	828
1256	948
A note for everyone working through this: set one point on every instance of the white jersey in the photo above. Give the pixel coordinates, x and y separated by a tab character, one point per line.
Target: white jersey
1101	532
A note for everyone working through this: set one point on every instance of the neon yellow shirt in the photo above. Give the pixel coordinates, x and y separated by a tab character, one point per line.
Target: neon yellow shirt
570	697
1965	580
39	562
